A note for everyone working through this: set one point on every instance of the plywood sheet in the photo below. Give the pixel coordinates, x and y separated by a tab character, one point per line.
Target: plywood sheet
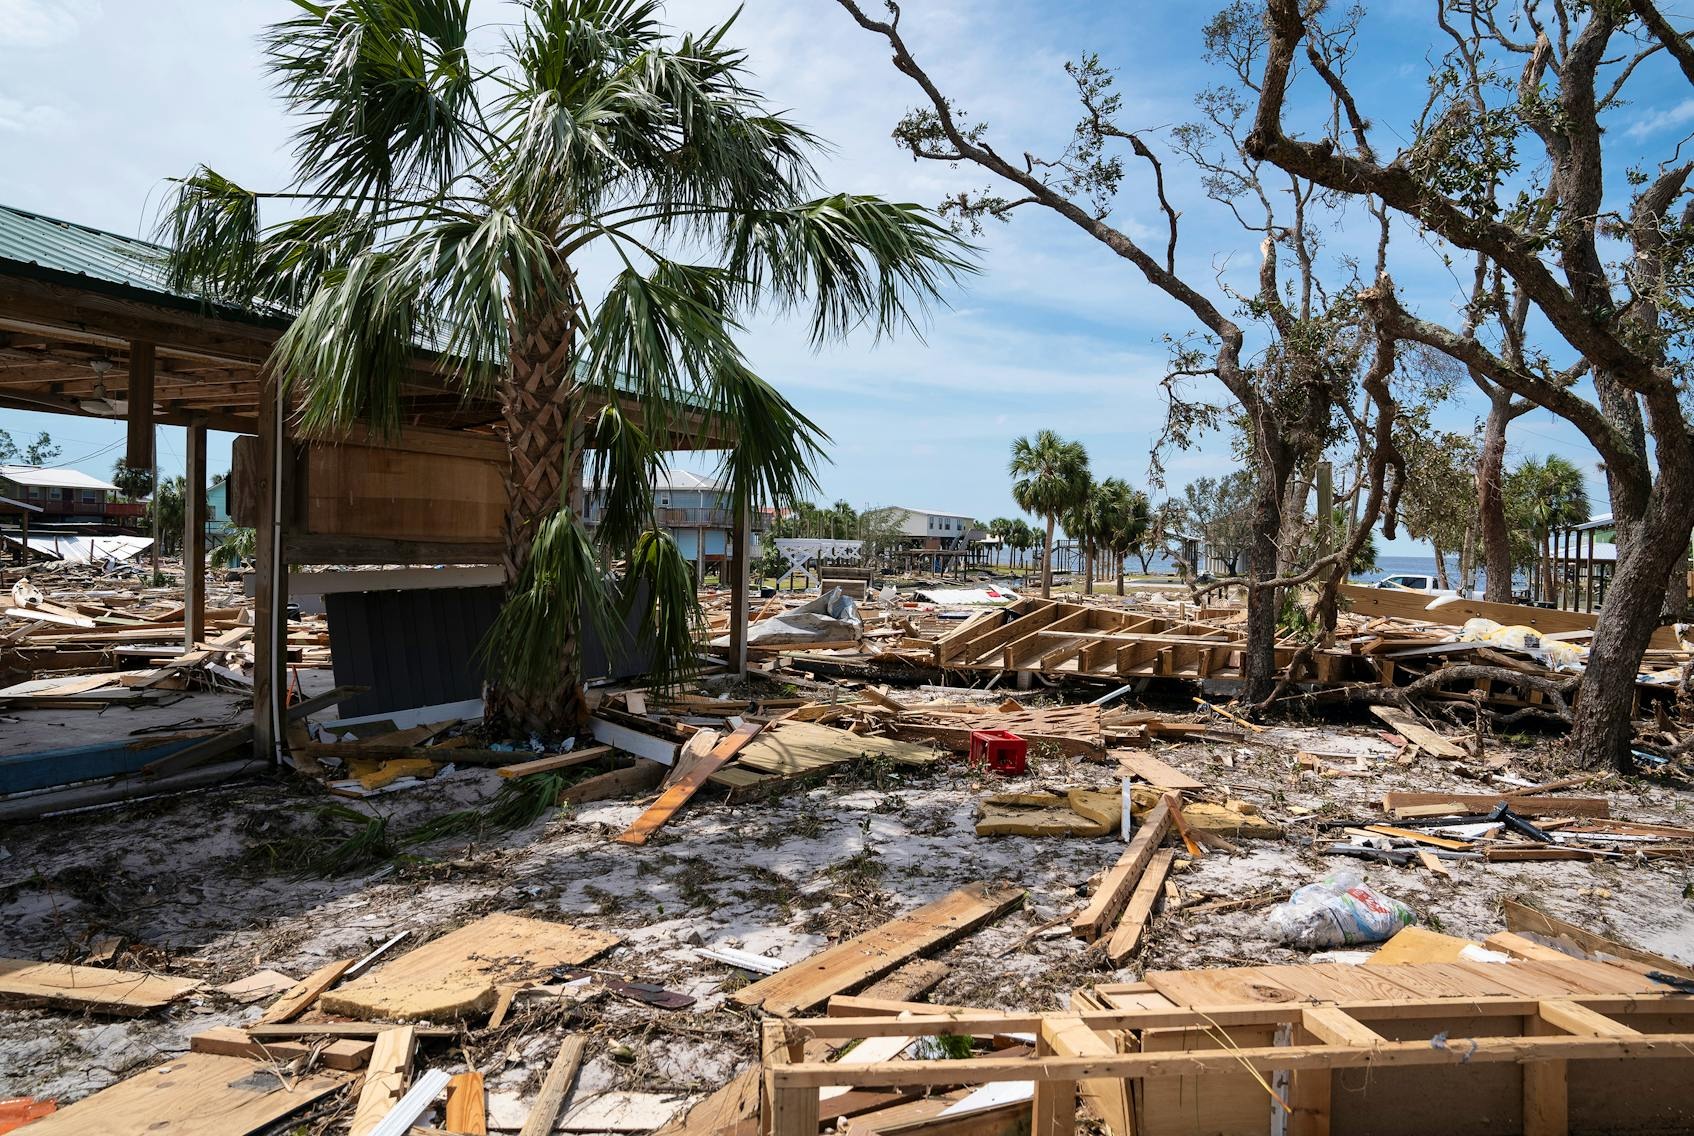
879	950
124	992
456	975
198	1094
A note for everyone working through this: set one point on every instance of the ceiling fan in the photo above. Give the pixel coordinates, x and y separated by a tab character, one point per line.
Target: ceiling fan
100	404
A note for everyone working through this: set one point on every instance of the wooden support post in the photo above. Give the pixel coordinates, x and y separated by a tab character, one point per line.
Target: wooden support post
194	540
787	1111
1309	1091
270	605
1546	1099
139	416
739	553
1053	1112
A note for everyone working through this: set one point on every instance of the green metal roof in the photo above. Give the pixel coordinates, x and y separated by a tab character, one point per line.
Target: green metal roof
47	248
77	250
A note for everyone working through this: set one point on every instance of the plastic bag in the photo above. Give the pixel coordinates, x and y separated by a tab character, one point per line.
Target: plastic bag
1338	910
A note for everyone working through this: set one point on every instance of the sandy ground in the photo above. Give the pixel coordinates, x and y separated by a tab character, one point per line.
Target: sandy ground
188	881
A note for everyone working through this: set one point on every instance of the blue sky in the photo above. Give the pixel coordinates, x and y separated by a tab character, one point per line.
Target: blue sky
102	100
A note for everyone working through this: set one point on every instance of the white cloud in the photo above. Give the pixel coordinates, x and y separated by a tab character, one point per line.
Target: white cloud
30	118
1670	118
44	23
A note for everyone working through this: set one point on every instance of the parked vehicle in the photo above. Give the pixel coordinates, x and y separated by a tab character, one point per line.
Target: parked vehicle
1414	582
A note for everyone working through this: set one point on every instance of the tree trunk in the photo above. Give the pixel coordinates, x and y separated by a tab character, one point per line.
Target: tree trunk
1440	565
1491	505
537	402
1467	561
1120	575
1047	562
1088	569
1548	594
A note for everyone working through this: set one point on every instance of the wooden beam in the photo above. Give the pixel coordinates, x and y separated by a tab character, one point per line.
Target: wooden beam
560	1077
738	571
139	452
1114	890
270	605
194	541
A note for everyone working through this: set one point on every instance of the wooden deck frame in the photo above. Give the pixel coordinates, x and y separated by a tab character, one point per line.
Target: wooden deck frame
1076	1051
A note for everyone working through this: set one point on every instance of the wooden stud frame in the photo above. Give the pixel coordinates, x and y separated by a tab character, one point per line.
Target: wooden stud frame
1076	1047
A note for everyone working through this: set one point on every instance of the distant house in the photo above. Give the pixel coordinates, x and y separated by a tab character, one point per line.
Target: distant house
937	531
65	494
217	509
694	509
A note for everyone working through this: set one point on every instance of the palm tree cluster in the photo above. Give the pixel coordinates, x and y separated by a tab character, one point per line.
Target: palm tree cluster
1015	536
1544	495
1052	480
453	199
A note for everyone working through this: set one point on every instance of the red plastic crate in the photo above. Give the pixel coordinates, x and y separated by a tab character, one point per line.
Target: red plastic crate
999	750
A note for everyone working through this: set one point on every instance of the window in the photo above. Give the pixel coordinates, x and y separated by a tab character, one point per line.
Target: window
35	492
91	496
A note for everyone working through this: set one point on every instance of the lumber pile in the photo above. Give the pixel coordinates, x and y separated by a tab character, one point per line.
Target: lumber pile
1511	826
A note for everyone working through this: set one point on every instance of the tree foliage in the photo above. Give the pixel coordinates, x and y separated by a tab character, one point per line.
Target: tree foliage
447	197
42	451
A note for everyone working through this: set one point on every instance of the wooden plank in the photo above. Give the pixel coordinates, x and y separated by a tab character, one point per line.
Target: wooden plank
635	778
1454	612
1570	1017
194	1094
876	952
294	1002
1468	803
687	783
339	1030
1522	917
467	1107
1418	944
632	741
907	982
1335	1026
231	1041
1114	890
1417	733
1173	801
1127	936
1418	836
561	1075
1053	1112
549	764
385	1078
726	1110
1153	771
1391	1054
458	974
121	992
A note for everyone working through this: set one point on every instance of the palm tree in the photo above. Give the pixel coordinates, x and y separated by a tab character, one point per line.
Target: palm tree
1088	522
1125	520
450	198
1553	494
1052	476
1000	528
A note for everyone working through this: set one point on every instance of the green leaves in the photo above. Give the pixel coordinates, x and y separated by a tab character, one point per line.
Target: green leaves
212	226
385	88
1051	474
852	258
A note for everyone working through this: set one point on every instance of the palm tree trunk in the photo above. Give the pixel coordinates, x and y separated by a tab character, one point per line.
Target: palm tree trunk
1088	569
538	405
1047	562
1547	567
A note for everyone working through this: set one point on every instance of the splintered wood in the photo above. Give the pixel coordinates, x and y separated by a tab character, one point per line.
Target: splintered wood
456	975
876	952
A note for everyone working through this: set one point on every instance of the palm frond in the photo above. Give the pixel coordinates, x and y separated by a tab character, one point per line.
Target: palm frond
383	87
661	583
211	226
854	259
776	448
624	466
536	636
353	344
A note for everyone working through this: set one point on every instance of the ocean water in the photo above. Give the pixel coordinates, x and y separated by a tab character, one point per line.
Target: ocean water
1385	566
